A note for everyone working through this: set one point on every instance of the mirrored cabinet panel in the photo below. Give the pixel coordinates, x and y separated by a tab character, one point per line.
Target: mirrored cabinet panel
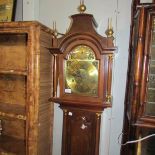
150	104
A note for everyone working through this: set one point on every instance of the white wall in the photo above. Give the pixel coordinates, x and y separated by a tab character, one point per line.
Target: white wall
48	11
30	10
19	10
123	28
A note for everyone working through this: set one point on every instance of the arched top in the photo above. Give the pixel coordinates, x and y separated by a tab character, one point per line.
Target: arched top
100	42
81	52
84	46
83	28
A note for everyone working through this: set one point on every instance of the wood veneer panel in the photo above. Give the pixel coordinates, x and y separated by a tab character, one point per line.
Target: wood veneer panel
12	89
45	107
12	146
15	109
80	133
13	51
13	128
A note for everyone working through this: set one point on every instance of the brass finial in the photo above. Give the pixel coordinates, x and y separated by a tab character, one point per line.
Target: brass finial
108	98
82	7
109	32
55	29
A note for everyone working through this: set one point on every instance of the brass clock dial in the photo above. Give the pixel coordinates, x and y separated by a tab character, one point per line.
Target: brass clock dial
81	72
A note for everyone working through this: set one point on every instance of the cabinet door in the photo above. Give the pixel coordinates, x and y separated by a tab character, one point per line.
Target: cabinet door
146	99
13	52
140	93
13	93
80	129
150	95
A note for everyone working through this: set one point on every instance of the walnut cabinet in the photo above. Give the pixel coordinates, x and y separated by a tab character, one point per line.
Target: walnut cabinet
139	116
26	115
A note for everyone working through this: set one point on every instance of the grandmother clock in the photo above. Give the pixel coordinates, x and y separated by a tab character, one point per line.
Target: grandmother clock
82	82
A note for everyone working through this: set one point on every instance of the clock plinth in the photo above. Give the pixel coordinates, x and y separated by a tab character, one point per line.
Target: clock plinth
82	83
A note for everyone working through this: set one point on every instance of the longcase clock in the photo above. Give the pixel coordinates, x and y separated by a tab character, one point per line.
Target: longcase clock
82	83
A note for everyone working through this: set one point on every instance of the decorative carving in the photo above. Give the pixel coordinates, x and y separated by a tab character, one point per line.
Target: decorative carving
111	57
21	117
83	126
98	115
108	98
65	112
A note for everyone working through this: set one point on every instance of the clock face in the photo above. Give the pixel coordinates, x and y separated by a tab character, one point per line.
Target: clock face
81	72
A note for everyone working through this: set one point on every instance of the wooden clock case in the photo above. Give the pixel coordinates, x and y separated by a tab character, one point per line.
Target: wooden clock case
82	113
